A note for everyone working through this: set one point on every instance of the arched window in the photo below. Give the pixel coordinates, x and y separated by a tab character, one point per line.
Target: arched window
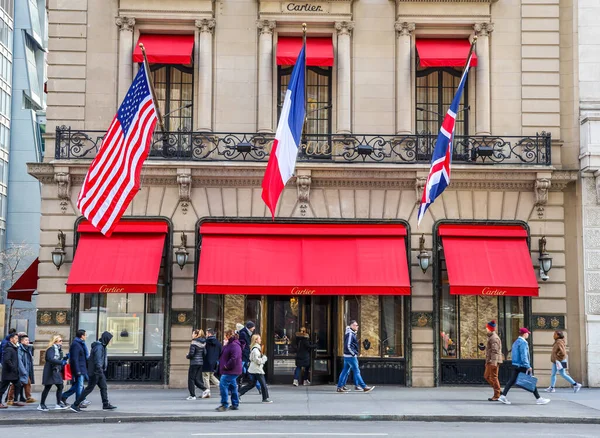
436	88
174	87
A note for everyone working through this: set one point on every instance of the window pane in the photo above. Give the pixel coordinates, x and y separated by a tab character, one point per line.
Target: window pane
155	318
392	309
511	321
449	329
253	311
89	304
212	313
124	318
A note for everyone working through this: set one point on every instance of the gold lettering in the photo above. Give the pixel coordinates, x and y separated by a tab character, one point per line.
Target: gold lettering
111	289
300	291
492	291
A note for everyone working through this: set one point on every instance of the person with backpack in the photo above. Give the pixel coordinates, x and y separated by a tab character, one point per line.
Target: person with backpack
196	358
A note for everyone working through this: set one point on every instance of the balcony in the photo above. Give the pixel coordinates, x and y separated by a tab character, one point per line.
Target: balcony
355	148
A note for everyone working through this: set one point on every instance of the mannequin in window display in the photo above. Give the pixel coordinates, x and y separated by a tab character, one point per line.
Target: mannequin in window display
493	359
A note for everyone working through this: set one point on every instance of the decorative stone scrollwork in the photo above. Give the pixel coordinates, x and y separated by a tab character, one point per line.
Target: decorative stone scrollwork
419	186
542	185
185	190
266	26
125	23
403	28
483	29
63	180
303	186
344	27
206	25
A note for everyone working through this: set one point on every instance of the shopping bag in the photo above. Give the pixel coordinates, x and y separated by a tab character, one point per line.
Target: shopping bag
66	372
527	382
559	365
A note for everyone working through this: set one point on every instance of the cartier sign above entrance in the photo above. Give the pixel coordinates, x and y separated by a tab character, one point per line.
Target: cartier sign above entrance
305	7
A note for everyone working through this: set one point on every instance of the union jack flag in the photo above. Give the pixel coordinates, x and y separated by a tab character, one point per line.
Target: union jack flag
113	178
439	174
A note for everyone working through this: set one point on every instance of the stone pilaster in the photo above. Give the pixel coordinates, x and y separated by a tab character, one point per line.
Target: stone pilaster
404	110
265	75
344	85
126	25
482	90
206	27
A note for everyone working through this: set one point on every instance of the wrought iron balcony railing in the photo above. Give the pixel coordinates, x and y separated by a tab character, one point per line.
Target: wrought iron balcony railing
359	148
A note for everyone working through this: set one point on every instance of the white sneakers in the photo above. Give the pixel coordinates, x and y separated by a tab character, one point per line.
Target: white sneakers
542	401
295	382
576	387
191	398
504	400
206	393
550	389
306	383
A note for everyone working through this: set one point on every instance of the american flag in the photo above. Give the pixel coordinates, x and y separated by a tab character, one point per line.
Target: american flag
439	174
113	178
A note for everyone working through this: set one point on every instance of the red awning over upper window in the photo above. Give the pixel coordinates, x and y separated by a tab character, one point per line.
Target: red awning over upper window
165	49
303	259
319	51
444	52
26	285
127	262
488	260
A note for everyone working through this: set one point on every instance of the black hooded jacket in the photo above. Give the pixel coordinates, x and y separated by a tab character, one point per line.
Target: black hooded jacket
98	360
213	351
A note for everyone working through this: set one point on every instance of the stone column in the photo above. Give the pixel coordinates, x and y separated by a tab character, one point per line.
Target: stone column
206	27
404	106
482	90
265	75
344	84
125	55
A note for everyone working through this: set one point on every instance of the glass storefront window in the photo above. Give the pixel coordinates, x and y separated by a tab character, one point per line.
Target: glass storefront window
392	333
211	313
253	311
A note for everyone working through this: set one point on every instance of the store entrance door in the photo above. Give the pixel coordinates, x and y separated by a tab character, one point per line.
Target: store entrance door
287	315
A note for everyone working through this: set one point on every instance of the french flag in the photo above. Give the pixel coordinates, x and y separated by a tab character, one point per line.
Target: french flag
282	161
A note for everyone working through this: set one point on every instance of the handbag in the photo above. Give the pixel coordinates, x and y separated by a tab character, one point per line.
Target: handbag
527	382
66	372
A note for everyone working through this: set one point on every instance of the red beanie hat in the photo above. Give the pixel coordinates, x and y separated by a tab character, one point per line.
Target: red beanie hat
491	325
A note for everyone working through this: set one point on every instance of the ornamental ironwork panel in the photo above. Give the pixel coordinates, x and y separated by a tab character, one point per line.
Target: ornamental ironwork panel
145	370
470	372
379	371
354	148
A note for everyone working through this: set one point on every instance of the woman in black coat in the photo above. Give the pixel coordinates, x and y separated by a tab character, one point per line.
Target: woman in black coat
52	374
303	356
196	358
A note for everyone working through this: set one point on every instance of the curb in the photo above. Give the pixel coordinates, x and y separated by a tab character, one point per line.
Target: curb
84	419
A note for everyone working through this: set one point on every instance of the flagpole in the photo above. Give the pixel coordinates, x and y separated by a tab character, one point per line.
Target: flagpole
305	76
147	67
470	53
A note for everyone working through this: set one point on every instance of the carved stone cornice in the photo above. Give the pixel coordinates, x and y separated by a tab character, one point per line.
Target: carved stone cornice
404	28
125	24
483	29
266	26
206	25
344	27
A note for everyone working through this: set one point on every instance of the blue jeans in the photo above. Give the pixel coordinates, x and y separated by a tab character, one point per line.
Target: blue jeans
306	373
563	373
351	364
76	388
228	383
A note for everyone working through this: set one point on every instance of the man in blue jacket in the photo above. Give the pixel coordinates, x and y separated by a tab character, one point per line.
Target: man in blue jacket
78	356
521	364
351	361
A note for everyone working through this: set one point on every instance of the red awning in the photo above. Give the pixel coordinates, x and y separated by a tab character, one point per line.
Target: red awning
127	262
26	285
444	52
165	49
488	260
319	51
303	259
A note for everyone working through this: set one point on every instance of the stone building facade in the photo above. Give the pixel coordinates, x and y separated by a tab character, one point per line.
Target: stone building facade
374	107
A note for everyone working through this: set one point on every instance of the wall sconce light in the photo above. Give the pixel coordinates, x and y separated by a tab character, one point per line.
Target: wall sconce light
545	259
182	254
59	253
424	257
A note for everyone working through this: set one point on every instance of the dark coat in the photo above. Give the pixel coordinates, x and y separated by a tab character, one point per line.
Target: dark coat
78	357
52	374
245	336
10	362
231	358
197	351
213	351
98	360
2	345
26	373
304	348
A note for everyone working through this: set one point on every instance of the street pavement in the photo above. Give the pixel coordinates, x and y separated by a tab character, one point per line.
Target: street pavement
322	403
309	429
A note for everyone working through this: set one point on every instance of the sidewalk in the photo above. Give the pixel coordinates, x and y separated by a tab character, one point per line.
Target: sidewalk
448	404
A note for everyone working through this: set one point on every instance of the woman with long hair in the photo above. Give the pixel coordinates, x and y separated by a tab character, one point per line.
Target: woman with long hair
256	371
52	374
558	357
196	357
303	356
230	367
